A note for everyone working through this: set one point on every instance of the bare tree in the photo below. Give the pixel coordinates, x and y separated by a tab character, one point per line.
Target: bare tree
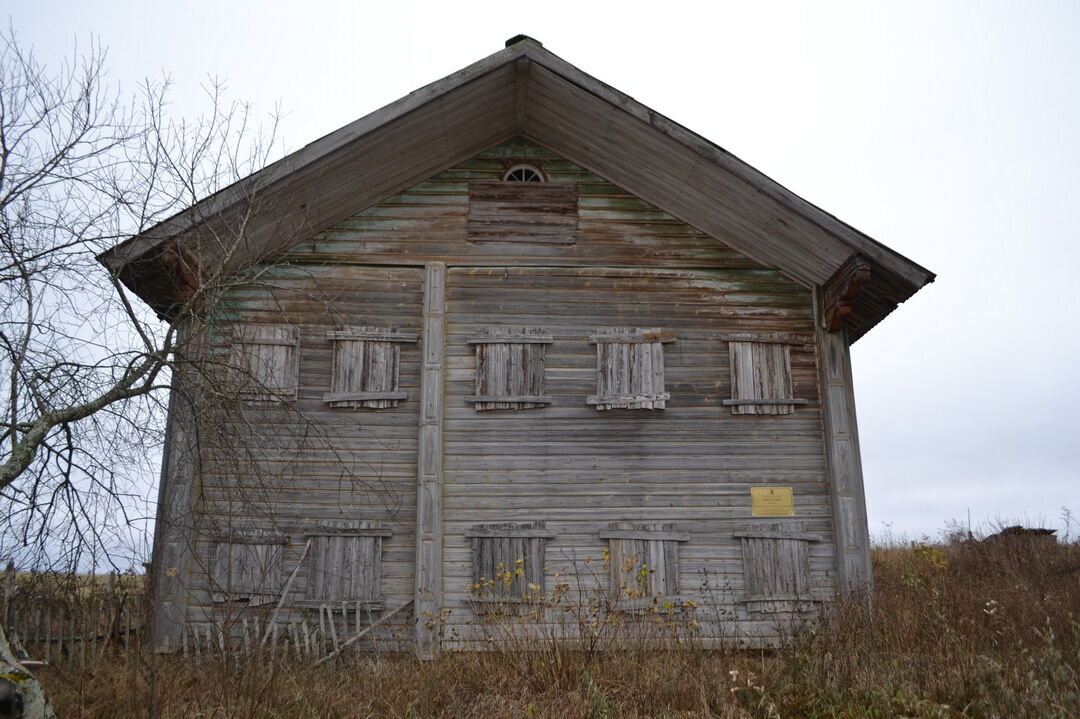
83	366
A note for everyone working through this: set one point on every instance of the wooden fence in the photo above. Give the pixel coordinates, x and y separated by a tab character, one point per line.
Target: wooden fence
72	618
67	618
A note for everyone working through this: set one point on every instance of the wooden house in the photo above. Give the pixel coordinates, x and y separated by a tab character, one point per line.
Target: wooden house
511	339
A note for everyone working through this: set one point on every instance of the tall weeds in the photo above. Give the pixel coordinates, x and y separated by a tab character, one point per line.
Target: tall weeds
976	629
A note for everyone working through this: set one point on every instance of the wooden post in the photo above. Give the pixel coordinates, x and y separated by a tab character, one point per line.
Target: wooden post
175	522
428	595
843	459
9	592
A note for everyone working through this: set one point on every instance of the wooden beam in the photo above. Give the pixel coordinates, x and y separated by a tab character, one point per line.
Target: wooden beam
843	460
428	594
842	289
170	571
521	92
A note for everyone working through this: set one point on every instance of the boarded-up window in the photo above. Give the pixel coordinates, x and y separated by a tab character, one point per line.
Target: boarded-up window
761	379
644	560
345	562
508	560
247	566
366	367
510	368
776	567
535	212
265	362
630	368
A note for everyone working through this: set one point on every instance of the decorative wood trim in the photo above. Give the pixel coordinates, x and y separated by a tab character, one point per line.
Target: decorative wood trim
429	532
842	289
535	399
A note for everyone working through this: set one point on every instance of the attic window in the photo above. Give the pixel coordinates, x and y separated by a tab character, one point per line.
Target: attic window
523	173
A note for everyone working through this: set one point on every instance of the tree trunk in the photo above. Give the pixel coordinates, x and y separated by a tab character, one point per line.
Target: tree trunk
19	688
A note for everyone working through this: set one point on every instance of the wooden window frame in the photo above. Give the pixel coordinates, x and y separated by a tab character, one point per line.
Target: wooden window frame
770	589
761	377
342	540
232	581
657	579
630	368
363	357
506	547
260	378
524	167
510	368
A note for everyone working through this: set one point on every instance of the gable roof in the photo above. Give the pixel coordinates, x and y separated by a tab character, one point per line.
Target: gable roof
523	90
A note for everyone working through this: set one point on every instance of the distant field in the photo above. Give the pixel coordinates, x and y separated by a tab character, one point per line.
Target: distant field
976	629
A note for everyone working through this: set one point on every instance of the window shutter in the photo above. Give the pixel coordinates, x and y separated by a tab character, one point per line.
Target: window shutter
265	362
761	379
507	558
247	566
365	367
776	567
510	368
630	368
644	559
345	561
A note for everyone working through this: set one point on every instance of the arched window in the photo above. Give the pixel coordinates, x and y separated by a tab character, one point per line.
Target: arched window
523	173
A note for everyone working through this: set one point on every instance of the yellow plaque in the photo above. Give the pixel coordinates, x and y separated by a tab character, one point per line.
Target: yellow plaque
772	501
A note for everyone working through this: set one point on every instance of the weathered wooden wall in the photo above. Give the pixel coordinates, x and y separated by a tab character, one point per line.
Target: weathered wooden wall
290	466
579	469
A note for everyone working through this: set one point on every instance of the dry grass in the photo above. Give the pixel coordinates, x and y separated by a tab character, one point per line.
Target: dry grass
964	629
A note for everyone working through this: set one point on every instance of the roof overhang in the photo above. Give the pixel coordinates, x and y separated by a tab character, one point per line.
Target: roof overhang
522	90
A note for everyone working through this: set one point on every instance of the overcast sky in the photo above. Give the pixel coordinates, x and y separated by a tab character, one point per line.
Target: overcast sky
948	131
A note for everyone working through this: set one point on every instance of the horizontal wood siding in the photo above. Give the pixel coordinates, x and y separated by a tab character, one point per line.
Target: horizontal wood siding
299	466
428	222
691	465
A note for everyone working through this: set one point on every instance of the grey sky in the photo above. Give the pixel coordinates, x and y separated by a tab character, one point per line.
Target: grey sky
948	131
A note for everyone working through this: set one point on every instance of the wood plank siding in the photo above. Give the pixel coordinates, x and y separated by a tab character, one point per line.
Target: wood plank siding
687	464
